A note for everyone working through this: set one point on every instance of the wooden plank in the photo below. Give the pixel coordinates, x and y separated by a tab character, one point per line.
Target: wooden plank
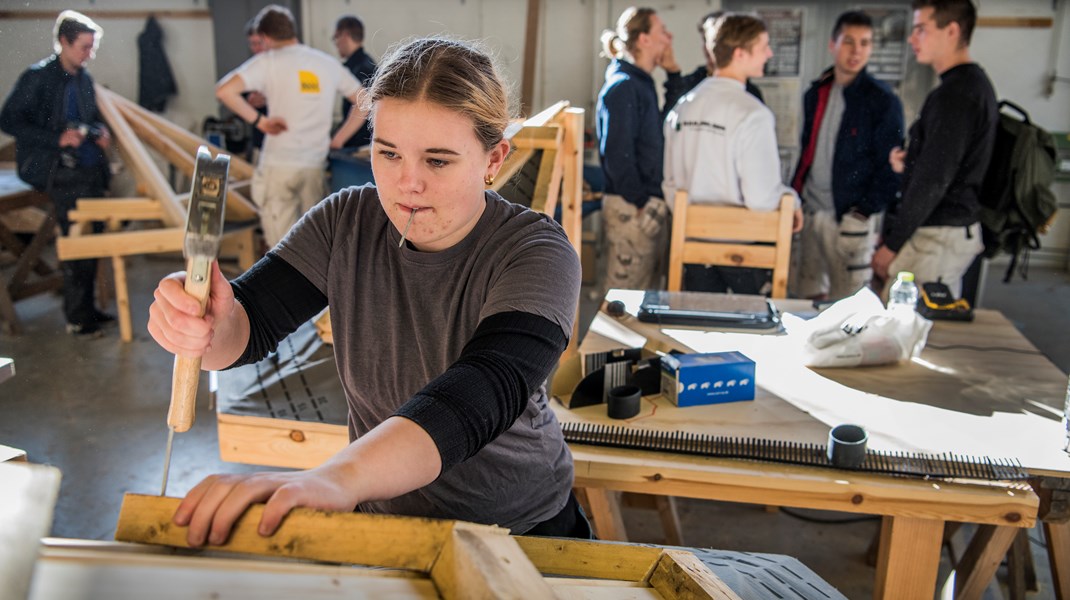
1058	536
138	15
351	538
1024	22
537	137
803	487
978	565
122	243
606	518
136	157
23	220
187	140
171	151
241	245
729	255
572	178
123	210
238	207
479	562
909	558
122	299
731	223
582	558
80	569
680	575
513	163
544	197
783	246
550	113
278	442
531	46
677	236
7	453
27	498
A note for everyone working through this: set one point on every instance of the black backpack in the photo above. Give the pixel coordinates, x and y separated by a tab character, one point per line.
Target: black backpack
1017	202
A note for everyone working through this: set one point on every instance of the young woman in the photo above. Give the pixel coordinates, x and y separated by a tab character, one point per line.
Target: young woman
443	335
630	145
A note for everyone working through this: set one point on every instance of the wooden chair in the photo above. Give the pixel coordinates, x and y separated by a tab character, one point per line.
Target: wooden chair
731	236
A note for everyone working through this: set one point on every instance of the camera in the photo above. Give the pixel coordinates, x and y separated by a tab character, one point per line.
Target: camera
68	156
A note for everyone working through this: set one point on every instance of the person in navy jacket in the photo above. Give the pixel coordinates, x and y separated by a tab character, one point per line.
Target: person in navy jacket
851	123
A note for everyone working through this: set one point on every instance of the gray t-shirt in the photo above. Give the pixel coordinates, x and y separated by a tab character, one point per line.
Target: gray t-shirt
401	317
818	189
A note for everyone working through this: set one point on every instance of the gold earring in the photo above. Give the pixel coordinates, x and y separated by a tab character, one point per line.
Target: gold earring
488	179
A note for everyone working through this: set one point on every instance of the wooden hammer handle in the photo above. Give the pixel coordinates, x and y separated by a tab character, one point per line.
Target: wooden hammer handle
187	373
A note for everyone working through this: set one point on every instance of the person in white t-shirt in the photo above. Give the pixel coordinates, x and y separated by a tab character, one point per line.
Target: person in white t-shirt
300	85
720	144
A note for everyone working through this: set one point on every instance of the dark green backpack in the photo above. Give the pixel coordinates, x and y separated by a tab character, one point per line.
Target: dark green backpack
1017	202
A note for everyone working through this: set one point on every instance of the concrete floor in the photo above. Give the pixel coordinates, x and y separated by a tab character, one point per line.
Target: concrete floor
96	409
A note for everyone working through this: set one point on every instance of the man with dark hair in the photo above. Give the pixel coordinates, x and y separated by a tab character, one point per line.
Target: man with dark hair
851	122
677	84
300	84
934	229
59	148
349	39
721	147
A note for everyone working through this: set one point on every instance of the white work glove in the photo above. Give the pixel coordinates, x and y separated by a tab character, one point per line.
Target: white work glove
653	217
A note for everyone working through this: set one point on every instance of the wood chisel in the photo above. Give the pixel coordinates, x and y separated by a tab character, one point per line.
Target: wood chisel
204	228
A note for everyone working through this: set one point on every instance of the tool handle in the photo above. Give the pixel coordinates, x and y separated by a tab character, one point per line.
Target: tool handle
187	373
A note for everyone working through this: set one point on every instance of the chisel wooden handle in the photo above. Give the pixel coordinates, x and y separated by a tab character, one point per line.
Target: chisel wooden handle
187	374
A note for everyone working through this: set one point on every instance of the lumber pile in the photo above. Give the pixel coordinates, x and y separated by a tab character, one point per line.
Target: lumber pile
161	212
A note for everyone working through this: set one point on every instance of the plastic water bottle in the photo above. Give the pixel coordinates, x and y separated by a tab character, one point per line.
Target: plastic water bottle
903	297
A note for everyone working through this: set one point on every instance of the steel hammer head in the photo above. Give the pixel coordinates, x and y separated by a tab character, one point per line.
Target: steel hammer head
207	200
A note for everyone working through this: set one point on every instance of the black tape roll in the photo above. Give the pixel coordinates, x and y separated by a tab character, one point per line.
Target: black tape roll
623	401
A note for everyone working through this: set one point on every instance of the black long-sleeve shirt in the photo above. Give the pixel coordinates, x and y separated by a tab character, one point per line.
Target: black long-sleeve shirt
950	146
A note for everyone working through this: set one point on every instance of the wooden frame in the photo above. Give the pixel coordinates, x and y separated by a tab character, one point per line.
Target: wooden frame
462	560
24	210
135	130
731	236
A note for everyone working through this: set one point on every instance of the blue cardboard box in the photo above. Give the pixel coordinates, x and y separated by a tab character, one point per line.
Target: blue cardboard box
696	379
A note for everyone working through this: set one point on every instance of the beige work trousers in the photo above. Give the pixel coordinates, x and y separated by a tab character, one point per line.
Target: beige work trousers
636	248
283	194
938	254
832	259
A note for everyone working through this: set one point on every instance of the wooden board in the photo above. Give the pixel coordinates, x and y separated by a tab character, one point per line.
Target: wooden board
463	560
27	497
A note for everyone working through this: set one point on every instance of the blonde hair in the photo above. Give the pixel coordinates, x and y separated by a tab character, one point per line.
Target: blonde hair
451	74
632	22
731	31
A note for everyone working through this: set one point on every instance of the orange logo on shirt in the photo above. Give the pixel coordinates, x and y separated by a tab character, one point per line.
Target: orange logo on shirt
310	83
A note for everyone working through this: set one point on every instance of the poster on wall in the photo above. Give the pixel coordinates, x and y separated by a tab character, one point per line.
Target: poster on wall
785	38
891	26
783	96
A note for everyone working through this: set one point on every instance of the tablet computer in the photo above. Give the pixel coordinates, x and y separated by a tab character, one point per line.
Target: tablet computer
705	309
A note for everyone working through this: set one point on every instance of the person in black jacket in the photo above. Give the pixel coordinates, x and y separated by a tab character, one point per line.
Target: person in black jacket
59	148
934	230
851	122
349	40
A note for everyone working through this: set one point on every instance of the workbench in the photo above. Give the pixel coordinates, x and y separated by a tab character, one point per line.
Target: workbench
978	389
